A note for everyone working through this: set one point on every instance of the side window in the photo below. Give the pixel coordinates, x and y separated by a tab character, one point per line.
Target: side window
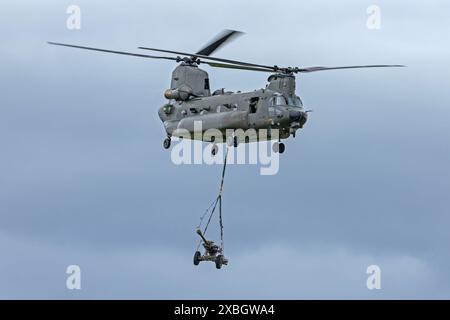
206	84
253	104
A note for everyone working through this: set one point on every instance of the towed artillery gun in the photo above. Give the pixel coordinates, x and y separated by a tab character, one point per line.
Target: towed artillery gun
213	253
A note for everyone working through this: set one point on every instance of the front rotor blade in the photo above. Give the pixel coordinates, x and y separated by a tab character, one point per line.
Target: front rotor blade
112	51
314	69
212	58
232	66
220	40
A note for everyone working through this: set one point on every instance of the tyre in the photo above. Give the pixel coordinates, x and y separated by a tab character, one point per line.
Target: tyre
230	141
219	261
197	255
281	148
276	147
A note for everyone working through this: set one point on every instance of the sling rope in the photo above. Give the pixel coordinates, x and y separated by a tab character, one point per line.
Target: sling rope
213	206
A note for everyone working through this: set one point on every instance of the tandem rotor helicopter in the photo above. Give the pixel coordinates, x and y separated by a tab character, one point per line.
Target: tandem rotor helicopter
190	99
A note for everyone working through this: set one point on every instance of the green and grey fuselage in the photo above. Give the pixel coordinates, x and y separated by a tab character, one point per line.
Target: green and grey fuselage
191	103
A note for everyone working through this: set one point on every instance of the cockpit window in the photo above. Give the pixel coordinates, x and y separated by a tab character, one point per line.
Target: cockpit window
292	101
278	101
295	101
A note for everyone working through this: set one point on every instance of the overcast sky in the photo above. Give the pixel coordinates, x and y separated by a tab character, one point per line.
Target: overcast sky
84	179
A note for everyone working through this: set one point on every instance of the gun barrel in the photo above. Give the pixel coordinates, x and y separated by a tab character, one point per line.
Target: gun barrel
199	232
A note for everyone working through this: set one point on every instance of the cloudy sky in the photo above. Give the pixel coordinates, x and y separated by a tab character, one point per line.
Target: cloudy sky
84	179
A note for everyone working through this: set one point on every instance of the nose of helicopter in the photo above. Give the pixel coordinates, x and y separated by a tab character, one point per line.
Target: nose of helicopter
295	115
298	116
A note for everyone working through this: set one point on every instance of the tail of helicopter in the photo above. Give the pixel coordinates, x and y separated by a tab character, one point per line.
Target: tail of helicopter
188	80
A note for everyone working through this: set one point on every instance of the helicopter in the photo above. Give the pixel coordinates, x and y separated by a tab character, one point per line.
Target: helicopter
273	109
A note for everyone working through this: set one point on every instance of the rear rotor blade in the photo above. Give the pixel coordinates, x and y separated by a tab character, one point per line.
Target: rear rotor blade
218	41
112	51
314	69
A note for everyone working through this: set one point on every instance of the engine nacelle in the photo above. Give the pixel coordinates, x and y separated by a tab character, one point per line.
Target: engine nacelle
181	94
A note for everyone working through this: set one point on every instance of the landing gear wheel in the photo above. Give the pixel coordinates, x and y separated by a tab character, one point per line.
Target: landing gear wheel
229	141
219	261
166	143
276	147
197	258
281	148
232	141
235	141
214	149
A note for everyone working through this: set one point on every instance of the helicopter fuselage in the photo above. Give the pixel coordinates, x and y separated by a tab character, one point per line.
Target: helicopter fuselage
263	111
233	111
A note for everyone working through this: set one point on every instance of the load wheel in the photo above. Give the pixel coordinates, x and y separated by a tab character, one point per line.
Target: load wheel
166	143
197	256
219	261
